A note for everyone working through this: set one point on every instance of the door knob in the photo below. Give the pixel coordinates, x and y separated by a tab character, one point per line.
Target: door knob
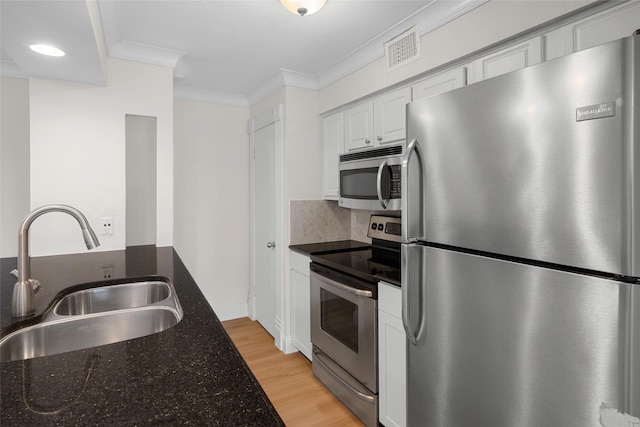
271	245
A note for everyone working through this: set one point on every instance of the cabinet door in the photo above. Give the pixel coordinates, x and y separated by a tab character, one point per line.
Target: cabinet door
606	26
510	59
301	298
392	359
332	146
358	125
392	370
301	313
441	83
389	112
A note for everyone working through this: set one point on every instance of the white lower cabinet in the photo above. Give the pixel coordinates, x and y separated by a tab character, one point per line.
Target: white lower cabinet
301	316
392	360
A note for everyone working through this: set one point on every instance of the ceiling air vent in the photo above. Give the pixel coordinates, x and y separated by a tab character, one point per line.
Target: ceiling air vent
403	49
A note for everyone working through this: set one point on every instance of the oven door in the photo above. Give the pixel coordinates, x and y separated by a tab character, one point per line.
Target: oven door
372	184
344	321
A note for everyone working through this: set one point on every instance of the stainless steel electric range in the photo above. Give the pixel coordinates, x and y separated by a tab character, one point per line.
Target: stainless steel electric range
344	316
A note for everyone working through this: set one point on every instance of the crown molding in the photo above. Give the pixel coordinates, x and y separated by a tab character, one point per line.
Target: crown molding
429	18
212	97
280	79
301	80
145	53
11	69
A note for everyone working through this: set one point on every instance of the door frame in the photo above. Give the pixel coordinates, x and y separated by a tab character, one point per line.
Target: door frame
275	117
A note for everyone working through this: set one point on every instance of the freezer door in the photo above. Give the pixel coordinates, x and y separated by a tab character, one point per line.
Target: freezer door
540	163
509	344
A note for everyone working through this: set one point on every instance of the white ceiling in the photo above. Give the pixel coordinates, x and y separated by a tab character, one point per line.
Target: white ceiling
234	51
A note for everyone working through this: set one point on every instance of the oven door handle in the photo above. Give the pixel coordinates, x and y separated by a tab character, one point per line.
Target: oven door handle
349	289
317	356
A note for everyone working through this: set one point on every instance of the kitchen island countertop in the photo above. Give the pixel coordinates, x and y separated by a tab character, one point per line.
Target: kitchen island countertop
189	374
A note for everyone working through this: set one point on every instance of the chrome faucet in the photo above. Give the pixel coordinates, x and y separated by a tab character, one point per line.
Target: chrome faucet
23	302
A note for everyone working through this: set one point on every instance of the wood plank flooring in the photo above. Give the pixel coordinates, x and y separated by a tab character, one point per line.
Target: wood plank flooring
298	396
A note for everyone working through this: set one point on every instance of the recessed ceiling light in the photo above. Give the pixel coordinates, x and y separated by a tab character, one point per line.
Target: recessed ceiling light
47	50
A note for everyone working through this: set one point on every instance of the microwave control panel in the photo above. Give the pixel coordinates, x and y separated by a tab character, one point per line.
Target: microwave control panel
396	191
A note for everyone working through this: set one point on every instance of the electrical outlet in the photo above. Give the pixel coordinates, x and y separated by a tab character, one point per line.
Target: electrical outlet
107	225
106	272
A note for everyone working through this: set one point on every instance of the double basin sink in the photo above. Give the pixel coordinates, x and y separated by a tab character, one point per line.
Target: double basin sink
95	314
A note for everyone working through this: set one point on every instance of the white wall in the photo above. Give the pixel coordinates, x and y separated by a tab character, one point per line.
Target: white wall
78	153
302	153
303	171
141	172
269	103
303	145
212	201
14	161
484	26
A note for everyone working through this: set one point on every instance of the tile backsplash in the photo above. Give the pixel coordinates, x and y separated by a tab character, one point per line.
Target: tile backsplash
314	221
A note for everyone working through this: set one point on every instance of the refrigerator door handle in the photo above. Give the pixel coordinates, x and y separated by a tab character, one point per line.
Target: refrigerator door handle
381	170
412	257
412	198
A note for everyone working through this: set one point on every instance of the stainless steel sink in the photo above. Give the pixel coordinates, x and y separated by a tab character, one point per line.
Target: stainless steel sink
115	297
97	316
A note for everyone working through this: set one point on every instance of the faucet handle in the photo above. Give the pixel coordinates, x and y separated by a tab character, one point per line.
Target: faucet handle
35	285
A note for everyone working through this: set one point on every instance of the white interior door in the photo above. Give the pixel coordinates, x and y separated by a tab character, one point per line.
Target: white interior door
265	227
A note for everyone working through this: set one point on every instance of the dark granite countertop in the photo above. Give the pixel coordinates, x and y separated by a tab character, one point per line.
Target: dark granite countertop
190	374
309	249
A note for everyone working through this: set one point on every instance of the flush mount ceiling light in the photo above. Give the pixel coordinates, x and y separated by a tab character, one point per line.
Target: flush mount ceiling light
303	7
46	50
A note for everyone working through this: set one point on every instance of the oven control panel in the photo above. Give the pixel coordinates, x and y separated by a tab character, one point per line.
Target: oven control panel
385	228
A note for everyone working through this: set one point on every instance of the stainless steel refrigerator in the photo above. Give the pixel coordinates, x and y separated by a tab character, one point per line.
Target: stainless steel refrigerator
521	253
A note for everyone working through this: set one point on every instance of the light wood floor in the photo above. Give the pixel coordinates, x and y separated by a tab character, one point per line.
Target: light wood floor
297	395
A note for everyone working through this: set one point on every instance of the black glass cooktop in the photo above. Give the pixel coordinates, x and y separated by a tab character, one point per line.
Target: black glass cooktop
372	264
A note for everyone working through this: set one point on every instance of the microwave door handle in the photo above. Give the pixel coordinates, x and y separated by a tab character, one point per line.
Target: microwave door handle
381	199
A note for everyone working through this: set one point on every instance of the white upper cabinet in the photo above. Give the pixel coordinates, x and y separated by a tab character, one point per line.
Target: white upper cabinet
606	26
509	59
440	83
389	112
377	122
358	130
332	146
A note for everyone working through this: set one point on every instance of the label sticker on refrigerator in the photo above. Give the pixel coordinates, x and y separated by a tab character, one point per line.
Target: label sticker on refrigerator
596	111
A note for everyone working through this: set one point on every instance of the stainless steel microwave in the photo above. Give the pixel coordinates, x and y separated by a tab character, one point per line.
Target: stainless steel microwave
371	179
